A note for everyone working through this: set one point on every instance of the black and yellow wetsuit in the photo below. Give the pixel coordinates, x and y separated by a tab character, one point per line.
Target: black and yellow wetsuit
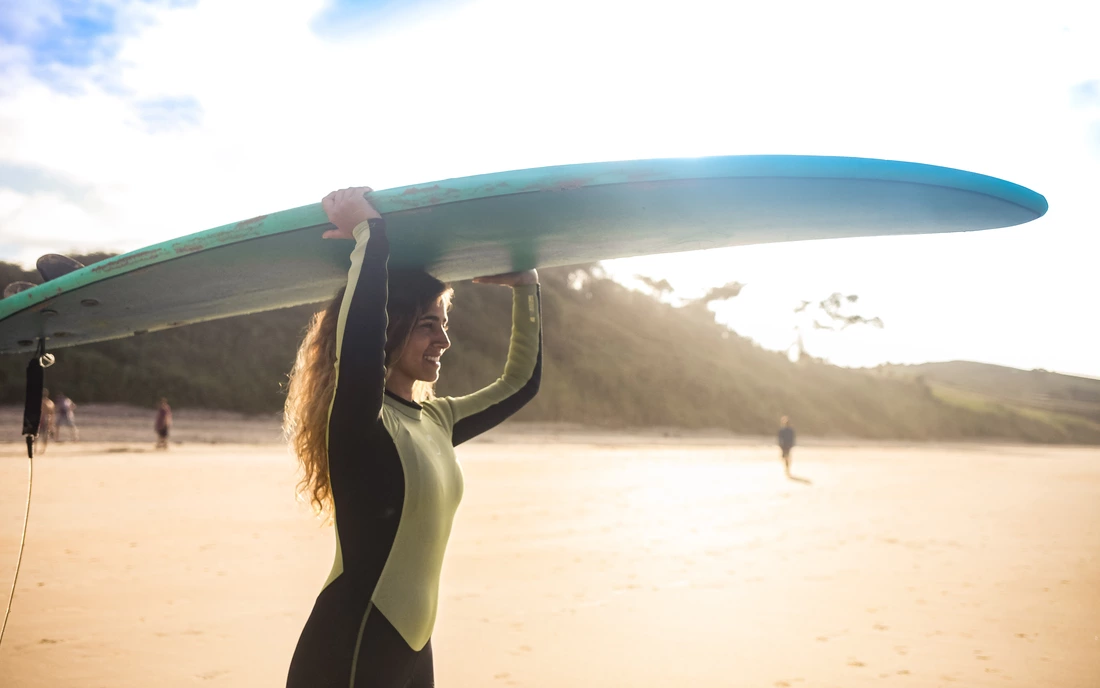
395	488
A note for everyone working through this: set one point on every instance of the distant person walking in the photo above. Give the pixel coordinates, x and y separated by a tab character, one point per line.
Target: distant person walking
66	416
786	442
46	426
163	423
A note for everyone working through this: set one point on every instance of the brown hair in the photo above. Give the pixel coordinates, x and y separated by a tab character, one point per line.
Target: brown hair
313	378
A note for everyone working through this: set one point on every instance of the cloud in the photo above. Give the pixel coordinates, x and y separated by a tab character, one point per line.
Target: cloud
52	39
63	42
22	20
342	19
44	222
29	180
169	113
1086	93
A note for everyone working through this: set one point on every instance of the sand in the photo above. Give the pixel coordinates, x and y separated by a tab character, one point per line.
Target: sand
578	559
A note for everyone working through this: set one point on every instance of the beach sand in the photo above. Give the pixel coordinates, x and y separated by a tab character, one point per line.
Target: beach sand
577	559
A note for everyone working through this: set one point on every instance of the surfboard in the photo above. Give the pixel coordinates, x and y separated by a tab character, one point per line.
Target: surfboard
493	223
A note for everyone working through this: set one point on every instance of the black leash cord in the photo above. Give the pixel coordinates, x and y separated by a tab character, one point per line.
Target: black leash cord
32	418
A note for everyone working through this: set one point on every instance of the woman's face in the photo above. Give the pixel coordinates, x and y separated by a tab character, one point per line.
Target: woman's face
428	341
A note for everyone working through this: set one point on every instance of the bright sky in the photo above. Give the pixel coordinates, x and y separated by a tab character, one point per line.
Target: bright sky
125	123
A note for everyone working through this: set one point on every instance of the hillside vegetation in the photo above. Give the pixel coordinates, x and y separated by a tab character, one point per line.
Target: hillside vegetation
613	357
1039	389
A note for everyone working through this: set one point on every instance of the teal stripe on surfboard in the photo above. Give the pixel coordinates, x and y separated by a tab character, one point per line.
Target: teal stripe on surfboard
464	227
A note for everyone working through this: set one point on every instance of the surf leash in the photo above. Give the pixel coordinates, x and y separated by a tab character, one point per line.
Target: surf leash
32	417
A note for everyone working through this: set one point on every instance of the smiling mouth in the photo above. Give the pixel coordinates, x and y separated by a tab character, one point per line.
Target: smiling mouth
433	359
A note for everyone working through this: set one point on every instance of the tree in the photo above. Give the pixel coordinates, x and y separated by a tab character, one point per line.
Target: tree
832	308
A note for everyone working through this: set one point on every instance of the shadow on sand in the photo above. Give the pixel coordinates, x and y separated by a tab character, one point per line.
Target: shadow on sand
795	478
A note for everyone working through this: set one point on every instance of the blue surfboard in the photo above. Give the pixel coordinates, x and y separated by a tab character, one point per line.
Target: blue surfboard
492	223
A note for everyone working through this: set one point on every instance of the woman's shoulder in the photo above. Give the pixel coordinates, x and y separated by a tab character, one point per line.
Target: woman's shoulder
440	409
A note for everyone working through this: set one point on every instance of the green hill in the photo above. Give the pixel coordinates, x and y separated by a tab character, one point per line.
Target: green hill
1035	389
614	357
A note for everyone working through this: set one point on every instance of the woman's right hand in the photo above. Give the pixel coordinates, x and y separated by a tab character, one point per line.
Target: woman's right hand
346	209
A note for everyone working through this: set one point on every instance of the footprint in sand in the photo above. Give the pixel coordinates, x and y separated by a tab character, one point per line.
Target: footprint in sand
855	663
48	641
880	627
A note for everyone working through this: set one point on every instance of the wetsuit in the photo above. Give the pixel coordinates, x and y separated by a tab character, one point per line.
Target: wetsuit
395	488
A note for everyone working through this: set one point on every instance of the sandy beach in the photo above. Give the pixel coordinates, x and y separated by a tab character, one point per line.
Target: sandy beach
577	559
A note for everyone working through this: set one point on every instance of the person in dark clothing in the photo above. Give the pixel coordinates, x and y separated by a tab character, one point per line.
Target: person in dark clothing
786	442
162	425
377	451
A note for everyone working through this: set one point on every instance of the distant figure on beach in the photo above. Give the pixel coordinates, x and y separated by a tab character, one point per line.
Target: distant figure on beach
66	418
376	448
163	423
786	442
46	425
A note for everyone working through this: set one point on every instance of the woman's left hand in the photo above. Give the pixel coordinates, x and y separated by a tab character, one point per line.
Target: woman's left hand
510	279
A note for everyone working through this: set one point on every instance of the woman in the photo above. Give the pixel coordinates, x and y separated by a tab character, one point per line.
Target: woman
377	452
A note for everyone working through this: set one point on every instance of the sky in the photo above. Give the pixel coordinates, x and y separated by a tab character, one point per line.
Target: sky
125	123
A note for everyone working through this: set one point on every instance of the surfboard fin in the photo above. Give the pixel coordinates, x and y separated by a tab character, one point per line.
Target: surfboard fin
16	287
54	265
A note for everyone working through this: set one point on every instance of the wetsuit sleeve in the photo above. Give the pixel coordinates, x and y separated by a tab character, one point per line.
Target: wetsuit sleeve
485	409
361	342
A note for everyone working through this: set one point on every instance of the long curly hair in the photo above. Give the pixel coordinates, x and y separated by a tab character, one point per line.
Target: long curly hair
312	382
